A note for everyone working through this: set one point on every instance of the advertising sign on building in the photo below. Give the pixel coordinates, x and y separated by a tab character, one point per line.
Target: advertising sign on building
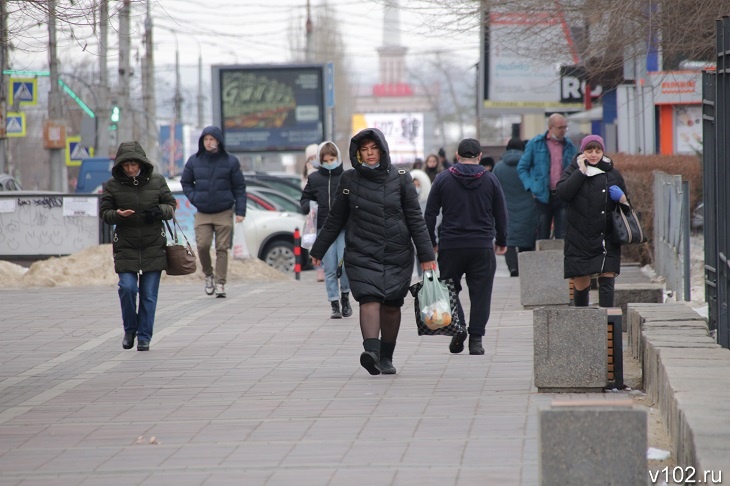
269	108
518	80
676	87
403	132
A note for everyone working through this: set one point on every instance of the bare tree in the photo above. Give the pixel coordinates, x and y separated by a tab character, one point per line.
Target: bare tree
603	35
76	20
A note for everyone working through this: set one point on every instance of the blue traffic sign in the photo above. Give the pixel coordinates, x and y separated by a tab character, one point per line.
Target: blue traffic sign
23	91
15	125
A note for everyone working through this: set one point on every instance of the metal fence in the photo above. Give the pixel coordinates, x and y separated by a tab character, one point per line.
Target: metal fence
671	232
716	171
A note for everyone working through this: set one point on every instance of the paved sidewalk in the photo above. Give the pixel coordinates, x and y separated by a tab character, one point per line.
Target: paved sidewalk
261	388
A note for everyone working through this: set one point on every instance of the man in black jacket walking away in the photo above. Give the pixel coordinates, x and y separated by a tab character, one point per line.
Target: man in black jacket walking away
474	213
213	182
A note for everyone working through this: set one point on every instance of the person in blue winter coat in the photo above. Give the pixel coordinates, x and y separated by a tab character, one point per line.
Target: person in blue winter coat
473	229
546	157
213	182
321	188
520	206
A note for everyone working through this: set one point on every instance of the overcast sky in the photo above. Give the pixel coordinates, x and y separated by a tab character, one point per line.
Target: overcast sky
248	32
258	31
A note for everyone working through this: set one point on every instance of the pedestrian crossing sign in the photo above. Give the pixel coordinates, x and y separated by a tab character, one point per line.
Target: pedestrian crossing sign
24	91
15	124
76	152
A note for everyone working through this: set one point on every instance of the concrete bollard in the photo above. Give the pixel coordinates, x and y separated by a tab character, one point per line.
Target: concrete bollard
570	349
629	293
541	279
592	442
542	245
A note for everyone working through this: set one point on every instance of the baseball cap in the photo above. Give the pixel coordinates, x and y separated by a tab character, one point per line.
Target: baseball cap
469	148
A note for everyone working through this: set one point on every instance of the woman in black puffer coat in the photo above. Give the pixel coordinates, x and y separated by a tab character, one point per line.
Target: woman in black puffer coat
136	200
378	206
592	187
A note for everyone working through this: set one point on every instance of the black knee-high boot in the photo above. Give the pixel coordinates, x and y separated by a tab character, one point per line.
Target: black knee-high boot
605	291
581	297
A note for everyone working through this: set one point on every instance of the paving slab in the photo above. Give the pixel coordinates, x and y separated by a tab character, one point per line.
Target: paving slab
260	388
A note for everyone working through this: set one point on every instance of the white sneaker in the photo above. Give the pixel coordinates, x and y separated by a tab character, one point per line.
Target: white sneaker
220	290
209	285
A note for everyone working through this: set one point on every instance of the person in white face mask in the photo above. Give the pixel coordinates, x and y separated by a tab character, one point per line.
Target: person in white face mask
321	188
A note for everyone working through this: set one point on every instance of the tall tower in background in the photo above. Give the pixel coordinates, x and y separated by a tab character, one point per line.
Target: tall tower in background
392	56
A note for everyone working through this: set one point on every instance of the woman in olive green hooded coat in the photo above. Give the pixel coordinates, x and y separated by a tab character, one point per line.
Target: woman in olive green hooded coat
136	200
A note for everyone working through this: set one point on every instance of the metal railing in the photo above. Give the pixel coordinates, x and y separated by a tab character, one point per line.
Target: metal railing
671	233
716	172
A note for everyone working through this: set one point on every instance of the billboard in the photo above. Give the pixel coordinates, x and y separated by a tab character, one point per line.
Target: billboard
518	80
269	108
403	132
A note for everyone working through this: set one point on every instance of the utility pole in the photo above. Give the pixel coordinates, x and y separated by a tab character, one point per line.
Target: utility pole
124	127
310	28
58	171
4	164
103	111
151	145
200	90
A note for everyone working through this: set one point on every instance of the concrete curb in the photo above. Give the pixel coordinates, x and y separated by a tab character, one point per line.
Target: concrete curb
685	374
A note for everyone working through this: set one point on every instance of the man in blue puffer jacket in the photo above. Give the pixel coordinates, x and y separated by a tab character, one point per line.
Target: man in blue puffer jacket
213	182
546	157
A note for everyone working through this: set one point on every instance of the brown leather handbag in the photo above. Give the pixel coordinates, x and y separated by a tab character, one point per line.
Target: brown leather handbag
181	258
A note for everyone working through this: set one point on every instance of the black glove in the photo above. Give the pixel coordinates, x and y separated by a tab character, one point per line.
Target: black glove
153	214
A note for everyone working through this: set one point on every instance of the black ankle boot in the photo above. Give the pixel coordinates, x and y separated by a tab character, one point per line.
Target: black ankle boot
345	300
370	358
128	341
605	291
475	344
386	358
581	297
335	310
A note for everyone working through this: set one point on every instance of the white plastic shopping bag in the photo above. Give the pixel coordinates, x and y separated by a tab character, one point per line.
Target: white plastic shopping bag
240	248
309	232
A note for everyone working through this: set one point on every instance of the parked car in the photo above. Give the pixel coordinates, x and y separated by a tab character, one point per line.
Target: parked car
282	183
269	234
9	183
282	201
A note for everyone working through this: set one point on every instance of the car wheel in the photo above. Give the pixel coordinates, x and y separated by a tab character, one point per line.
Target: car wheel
280	255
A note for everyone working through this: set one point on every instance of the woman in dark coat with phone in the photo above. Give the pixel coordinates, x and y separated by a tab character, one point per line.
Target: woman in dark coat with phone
592	187
135	201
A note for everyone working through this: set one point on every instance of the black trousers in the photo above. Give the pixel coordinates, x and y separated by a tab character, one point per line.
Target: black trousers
479	265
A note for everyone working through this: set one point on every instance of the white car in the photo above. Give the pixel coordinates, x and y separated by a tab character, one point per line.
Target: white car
270	236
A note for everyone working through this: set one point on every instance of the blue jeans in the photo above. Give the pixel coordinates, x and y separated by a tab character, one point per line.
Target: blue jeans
140	323
330	261
547	214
